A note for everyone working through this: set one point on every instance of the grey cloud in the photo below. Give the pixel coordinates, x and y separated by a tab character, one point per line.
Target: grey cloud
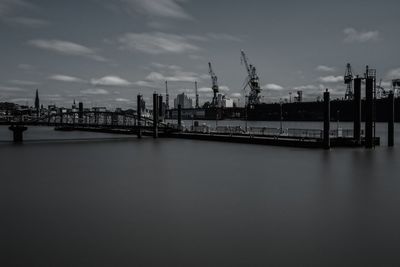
27	22
353	36
66	48
110	81
157	43
177	77
95	91
26	67
205	90
272	86
236	95
172	73
144	84
305	87
65	78
122	100
394	74
159	8
331	79
21	82
11	89
324	68
8	6
21	100
224	88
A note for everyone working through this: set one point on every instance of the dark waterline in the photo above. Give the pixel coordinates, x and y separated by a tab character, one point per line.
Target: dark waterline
173	202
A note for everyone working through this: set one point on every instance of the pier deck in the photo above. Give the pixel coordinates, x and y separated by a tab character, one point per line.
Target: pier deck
288	141
308	141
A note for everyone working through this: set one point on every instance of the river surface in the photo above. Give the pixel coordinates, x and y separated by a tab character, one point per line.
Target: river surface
85	199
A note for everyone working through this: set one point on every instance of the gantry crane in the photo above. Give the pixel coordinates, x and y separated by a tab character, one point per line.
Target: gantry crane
252	81
348	80
215	87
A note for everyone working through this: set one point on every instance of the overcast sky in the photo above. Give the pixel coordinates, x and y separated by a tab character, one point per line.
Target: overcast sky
105	52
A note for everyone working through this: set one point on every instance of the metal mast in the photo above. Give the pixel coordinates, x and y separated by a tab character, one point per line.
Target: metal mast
348	80
215	88
253	81
197	95
166	96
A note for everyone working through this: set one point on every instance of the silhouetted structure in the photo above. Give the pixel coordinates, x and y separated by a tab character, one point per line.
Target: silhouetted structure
37	102
18	131
348	80
357	110
179	116
214	85
390	119
139	115
166	96
155	115
253	81
197	95
327	120
369	104
183	100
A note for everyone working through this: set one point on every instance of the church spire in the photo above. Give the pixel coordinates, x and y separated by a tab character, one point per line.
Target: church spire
37	102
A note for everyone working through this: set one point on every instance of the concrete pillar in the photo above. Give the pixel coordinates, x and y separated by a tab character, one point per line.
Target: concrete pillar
369	106
155	115
390	116
160	108
18	131
327	120
179	116
139	116
357	111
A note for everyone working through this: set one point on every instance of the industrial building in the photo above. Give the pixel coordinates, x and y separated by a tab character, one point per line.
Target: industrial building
183	100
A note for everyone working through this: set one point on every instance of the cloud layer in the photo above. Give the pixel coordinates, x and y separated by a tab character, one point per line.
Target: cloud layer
331	79
65	78
324	68
110	81
157	43
66	48
354	36
159	8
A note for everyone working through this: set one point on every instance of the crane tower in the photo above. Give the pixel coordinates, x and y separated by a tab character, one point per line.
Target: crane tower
215	88
348	80
253	81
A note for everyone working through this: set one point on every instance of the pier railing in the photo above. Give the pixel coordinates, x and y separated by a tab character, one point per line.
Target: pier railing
271	132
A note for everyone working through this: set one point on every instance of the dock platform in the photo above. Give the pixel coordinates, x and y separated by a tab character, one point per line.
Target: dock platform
288	141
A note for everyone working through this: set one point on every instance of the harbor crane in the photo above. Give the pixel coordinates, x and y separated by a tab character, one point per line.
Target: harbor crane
348	80
215	87
252	81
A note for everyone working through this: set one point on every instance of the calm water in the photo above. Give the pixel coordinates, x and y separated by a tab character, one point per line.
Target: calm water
98	201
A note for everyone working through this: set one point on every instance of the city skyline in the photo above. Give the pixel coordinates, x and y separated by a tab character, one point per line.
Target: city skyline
104	54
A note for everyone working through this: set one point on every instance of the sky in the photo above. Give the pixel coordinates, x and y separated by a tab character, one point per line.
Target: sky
104	53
